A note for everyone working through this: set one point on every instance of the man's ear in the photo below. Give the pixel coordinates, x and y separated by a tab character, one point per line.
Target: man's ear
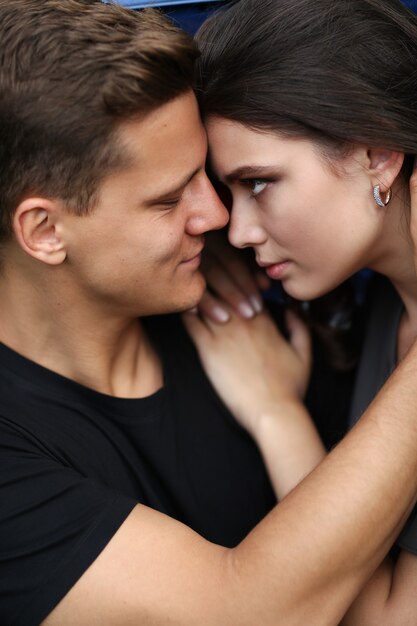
35	225
384	167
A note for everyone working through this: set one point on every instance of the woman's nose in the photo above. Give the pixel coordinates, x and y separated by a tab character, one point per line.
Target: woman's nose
244	229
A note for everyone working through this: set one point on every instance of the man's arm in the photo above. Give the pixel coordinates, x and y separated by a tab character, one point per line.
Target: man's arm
304	563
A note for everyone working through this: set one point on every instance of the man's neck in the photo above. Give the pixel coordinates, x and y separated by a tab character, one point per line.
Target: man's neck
44	322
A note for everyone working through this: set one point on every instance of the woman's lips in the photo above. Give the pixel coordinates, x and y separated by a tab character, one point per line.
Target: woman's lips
276	271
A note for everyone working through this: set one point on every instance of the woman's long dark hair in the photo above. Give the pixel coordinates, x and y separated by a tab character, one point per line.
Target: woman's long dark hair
338	72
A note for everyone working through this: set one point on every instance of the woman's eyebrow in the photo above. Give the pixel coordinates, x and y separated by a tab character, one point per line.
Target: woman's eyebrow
248	171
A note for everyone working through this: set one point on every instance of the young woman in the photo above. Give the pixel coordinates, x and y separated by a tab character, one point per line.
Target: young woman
311	113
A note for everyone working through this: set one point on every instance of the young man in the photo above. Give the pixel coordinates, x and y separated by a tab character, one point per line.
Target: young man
122	477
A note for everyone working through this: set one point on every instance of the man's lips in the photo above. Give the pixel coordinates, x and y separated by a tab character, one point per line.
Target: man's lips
195	253
194	258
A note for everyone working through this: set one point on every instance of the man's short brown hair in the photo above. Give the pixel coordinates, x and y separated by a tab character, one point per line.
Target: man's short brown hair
70	71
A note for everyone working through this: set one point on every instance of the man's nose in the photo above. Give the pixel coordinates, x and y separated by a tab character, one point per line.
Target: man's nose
209	213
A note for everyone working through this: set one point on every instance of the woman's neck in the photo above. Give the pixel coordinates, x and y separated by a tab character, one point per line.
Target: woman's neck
395	258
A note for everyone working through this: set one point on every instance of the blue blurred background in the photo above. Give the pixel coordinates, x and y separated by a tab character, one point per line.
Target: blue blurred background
190	13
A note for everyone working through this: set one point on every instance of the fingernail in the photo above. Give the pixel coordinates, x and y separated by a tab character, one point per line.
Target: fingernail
220	314
257	303
194	310
246	310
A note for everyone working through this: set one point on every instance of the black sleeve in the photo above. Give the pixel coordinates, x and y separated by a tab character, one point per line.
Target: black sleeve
53	524
408	538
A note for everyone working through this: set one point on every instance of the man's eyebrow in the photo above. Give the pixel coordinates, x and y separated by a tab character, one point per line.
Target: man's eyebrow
175	190
248	171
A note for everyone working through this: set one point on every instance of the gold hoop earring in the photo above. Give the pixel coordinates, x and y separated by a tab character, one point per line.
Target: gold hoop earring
379	200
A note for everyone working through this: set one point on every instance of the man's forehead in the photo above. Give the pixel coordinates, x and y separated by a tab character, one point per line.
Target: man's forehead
176	113
162	151
166	129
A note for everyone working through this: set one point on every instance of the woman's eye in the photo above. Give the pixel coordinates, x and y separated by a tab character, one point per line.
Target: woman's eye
258	186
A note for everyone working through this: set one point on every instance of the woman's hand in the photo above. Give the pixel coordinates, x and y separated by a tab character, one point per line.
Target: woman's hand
252	367
261	378
231	281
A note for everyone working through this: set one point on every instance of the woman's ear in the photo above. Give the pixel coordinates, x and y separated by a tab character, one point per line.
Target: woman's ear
384	167
36	228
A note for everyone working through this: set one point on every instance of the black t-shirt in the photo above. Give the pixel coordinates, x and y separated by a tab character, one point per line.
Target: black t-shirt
378	360
74	462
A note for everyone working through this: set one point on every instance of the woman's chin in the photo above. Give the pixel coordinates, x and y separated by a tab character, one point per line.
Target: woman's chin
300	291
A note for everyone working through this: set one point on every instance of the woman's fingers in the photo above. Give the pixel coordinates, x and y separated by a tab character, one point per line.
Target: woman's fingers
232	282
230	279
242	273
212	309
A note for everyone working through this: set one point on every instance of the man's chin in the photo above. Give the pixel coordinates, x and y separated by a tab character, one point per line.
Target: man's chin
187	306
187	302
195	297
